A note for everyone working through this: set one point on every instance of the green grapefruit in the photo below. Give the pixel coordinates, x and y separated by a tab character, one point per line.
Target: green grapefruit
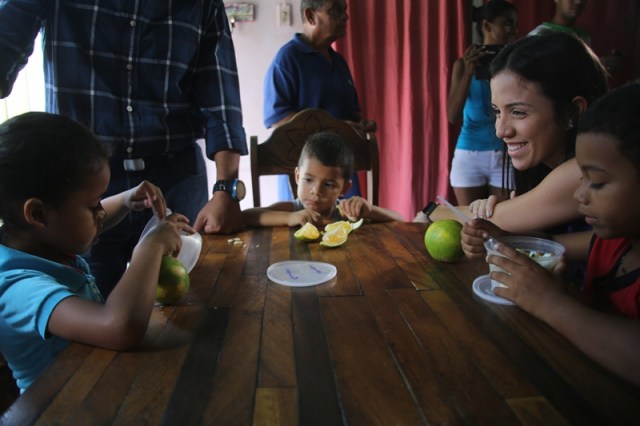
443	240
173	281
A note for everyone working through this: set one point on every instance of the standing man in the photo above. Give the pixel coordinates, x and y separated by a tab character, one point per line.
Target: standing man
564	19
308	73
149	78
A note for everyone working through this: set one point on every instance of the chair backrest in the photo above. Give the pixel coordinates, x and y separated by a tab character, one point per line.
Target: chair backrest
279	154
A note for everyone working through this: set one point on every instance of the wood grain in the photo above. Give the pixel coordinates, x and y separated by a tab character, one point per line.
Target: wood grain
395	338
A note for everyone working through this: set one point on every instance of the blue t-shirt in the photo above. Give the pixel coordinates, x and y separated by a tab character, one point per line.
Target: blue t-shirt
478	131
300	77
30	289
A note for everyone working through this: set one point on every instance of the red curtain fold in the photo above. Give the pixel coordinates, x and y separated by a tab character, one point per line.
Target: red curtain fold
401	53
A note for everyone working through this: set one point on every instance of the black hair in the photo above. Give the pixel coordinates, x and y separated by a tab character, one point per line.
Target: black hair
310	4
562	67
331	149
44	156
616	114
490	11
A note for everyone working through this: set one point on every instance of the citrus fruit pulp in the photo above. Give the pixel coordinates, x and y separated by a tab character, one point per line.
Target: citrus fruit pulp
308	232
173	281
442	240
343	224
335	238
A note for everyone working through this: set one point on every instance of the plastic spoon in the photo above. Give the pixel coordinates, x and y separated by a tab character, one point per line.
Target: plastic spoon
454	209
463	216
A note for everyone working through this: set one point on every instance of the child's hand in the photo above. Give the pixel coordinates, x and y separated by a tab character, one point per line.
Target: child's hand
166	233
355	208
474	233
529	285
146	195
303	216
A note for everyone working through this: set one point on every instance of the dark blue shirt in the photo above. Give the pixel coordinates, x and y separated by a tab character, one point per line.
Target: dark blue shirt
147	76
300	77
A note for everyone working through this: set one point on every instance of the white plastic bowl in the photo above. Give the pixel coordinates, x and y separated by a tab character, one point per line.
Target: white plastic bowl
191	244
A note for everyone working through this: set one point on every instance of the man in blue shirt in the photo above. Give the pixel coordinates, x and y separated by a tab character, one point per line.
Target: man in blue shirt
308	73
149	77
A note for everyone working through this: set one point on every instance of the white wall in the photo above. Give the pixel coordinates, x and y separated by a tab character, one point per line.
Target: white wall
256	44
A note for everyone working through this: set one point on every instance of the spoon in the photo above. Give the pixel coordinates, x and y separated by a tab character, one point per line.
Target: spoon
464	218
454	209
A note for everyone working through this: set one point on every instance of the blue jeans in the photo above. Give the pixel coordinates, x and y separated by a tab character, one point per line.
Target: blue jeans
182	177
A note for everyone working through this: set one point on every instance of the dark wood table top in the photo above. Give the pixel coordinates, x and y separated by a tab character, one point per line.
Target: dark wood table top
395	338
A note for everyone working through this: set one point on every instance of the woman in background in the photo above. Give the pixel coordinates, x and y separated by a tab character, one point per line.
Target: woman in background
477	167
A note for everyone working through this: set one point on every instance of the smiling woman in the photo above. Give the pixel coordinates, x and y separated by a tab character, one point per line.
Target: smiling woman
539	86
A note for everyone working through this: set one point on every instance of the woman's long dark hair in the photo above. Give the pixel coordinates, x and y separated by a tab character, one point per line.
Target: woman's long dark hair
562	67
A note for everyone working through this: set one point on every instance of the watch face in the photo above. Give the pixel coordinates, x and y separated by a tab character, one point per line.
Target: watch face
241	191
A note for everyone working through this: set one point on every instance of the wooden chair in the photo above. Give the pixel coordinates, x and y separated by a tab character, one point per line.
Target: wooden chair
279	154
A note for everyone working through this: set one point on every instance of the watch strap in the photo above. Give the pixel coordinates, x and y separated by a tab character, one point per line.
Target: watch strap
428	209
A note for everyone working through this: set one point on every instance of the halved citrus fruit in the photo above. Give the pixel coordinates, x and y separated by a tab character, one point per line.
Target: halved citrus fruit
335	238
308	232
343	224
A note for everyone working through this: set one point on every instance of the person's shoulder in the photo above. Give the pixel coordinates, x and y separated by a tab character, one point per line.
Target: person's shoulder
540	28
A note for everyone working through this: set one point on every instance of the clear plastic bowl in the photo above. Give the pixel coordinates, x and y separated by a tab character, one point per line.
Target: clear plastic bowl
551	252
191	244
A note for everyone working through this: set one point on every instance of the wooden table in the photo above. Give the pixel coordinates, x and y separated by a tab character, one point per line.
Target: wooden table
395	338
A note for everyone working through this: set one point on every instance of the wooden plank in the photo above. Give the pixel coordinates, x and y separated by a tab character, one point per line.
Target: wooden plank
526	361
497	367
466	391
578	372
34	401
78	386
224	291
364	260
536	411
371	388
317	395
346	283
197	370
277	358
444	383
275	407
149	394
256	262
234	382
414	260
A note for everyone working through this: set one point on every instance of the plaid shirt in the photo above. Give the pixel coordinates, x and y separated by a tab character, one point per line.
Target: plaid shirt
147	76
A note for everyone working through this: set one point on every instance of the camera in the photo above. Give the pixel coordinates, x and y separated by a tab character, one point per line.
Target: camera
482	70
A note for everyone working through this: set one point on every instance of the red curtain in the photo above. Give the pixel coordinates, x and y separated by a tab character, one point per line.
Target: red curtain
401	53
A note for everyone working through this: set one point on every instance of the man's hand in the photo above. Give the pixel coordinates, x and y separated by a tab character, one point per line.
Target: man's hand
221	215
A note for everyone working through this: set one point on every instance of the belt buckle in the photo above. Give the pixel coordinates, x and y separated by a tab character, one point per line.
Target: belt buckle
133	164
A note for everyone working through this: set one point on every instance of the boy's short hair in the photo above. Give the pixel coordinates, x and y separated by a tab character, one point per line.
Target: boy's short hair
616	114
331	149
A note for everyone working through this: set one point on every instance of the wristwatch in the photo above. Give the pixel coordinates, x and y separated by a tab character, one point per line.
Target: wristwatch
428	209
235	187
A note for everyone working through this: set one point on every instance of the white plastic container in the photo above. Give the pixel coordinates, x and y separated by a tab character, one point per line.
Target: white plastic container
191	244
550	252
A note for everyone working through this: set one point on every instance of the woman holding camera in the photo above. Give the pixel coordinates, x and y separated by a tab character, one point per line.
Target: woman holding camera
477	167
